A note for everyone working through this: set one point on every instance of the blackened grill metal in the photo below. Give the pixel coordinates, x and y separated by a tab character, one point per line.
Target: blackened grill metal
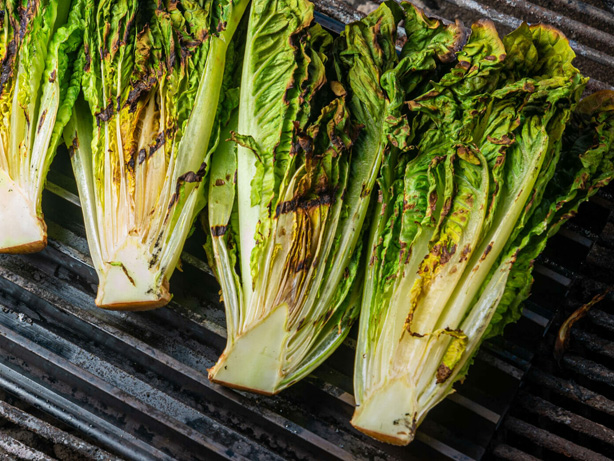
134	385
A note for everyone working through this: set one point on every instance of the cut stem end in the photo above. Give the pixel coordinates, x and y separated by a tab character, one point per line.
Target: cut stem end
21	229
253	361
388	414
131	282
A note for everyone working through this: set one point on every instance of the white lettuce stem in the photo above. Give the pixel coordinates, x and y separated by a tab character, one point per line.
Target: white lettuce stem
246	170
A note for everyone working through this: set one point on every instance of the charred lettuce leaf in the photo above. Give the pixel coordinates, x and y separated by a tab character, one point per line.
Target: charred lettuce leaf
39	45
142	135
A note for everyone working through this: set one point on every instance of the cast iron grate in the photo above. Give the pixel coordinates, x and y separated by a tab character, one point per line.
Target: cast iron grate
134	385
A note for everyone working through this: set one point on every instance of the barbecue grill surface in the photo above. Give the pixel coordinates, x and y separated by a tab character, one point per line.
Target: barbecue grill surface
77	382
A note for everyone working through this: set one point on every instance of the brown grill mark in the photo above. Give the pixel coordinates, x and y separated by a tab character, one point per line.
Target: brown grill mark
218	231
443	373
486	251
42	121
465	253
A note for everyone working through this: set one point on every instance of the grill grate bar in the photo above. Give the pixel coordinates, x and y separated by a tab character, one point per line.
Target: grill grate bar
601	319
15	447
551	442
504	451
589	369
587	9
475	407
576	237
339	10
544	409
572	391
444	449
500	364
63	410
553	275
604	200
593	343
535	317
52	433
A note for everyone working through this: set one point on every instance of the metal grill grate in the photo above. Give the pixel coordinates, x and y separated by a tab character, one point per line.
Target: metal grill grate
135	385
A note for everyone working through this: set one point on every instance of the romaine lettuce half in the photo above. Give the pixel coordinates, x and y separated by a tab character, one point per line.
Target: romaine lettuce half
141	136
464	213
39	43
294	137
